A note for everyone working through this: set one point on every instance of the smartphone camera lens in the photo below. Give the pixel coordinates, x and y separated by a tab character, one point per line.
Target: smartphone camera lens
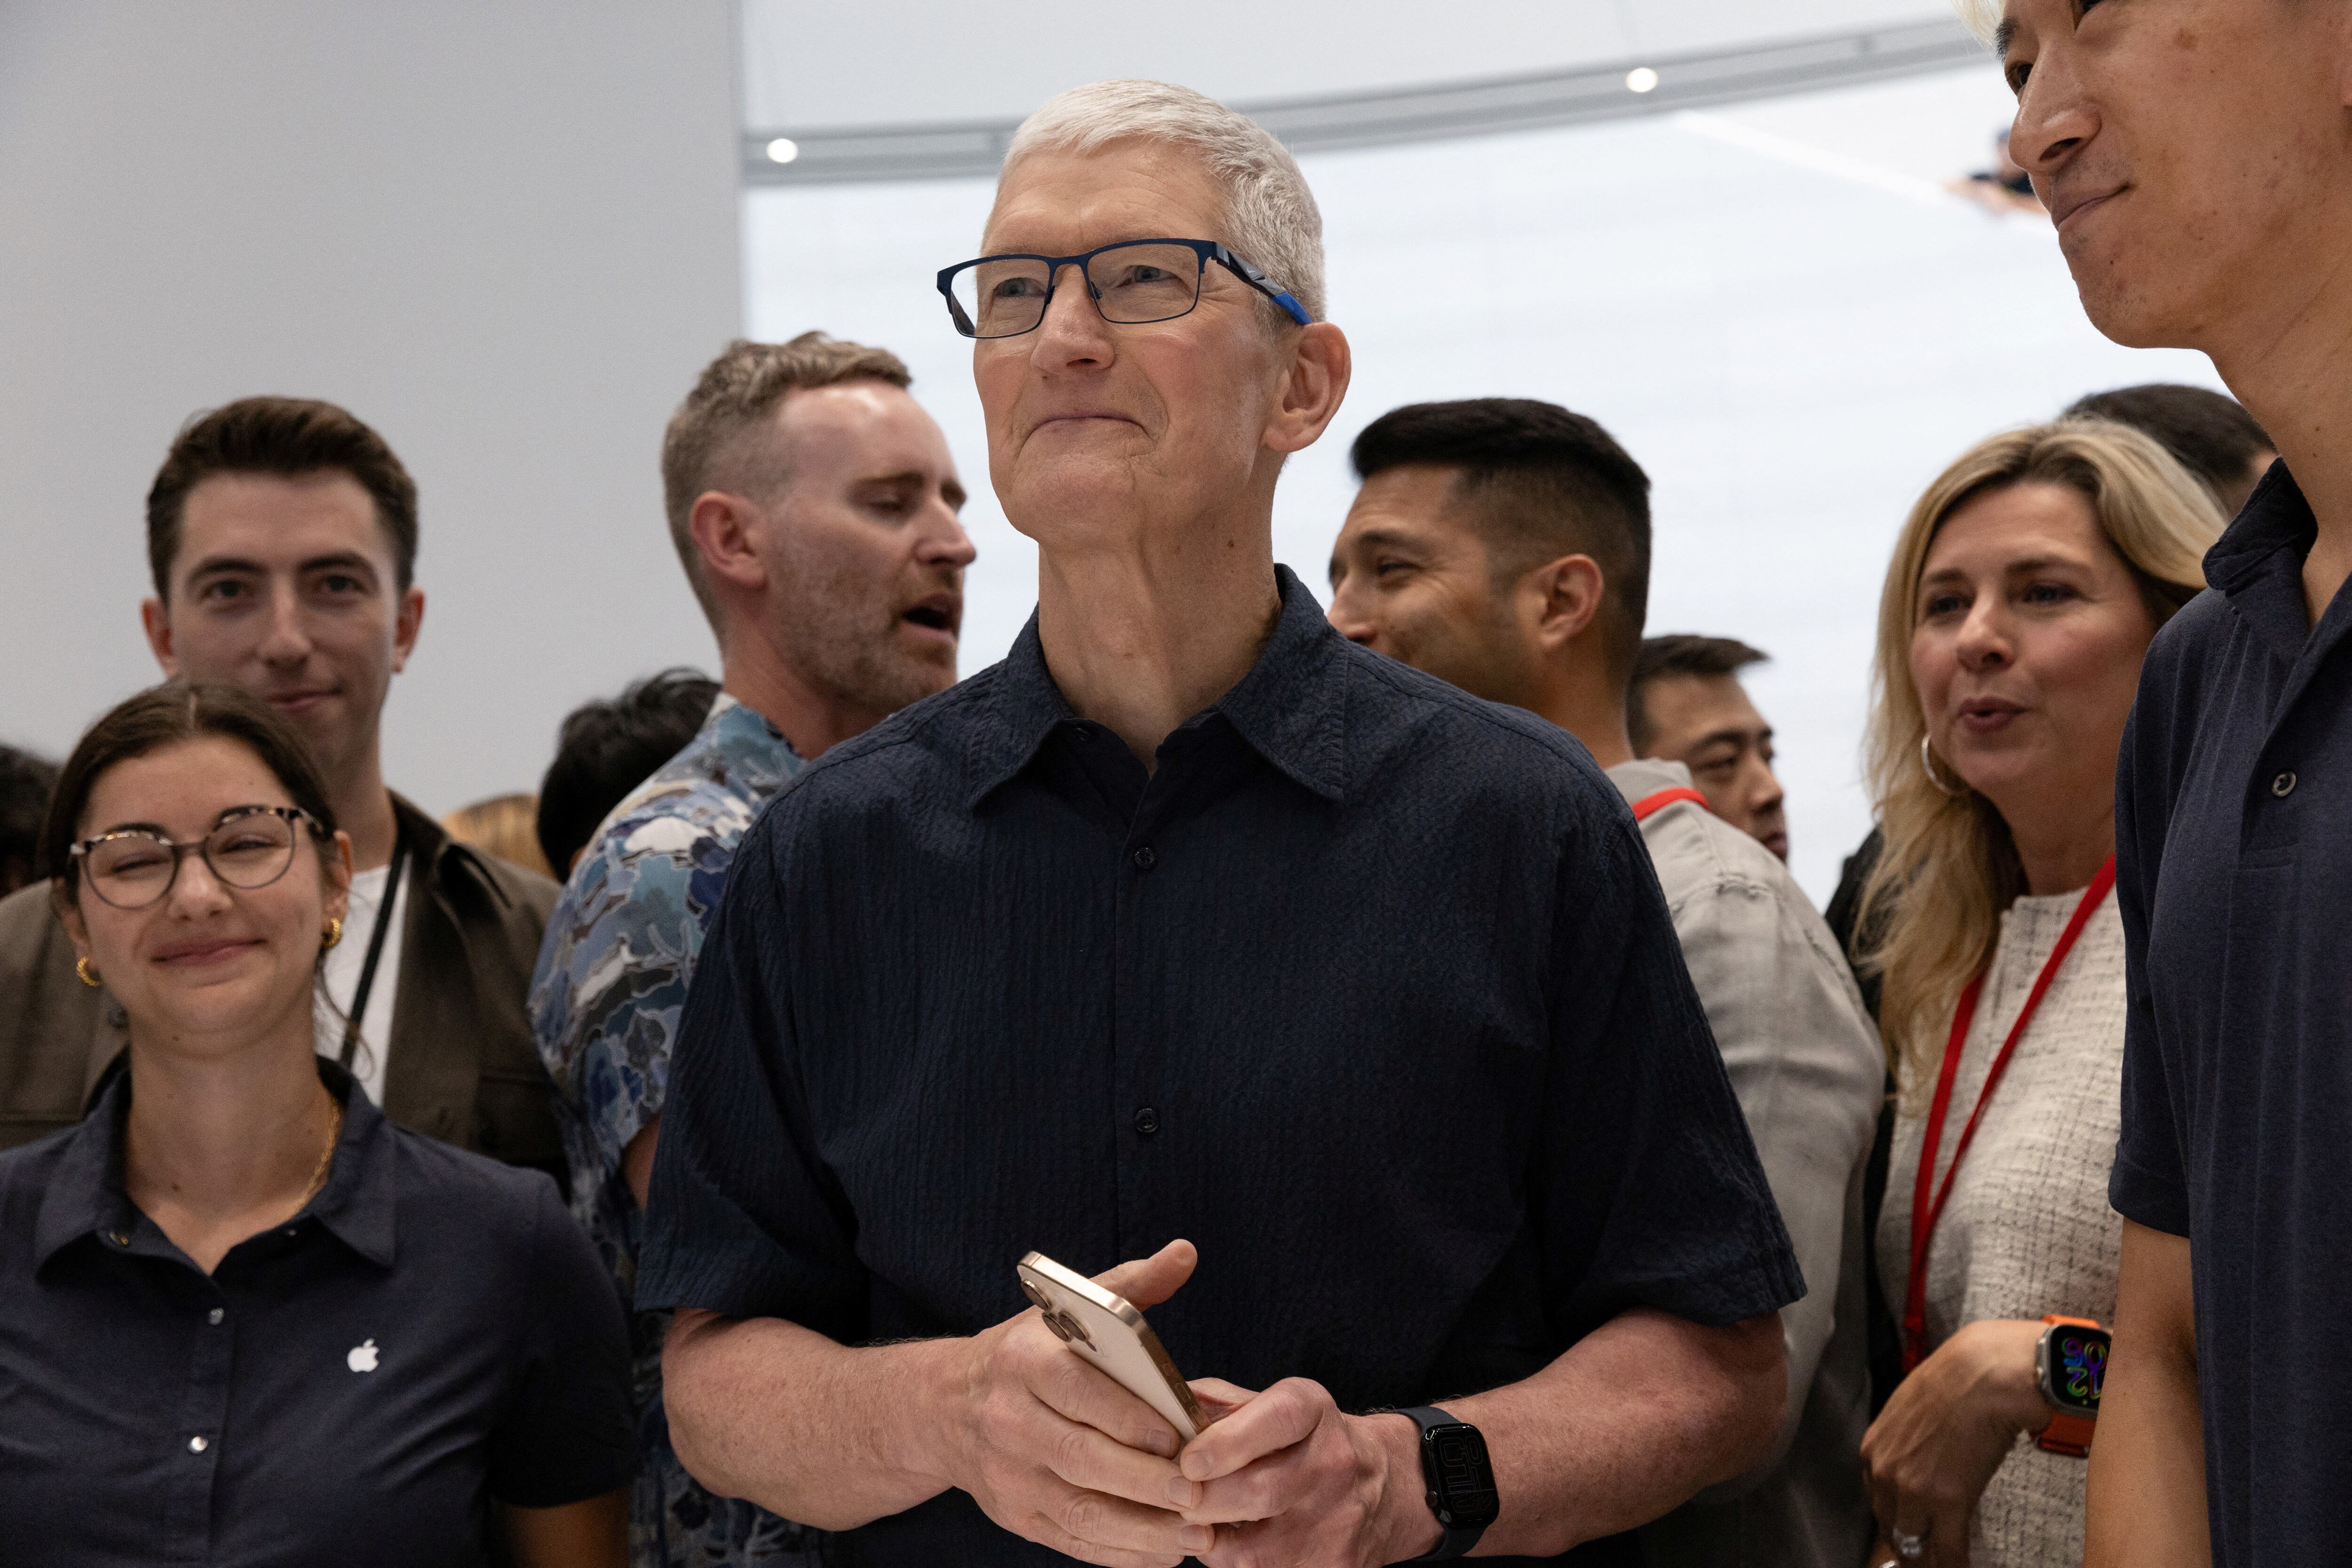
1061	1330
1038	1296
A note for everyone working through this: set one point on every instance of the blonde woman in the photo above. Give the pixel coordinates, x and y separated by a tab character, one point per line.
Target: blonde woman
2023	592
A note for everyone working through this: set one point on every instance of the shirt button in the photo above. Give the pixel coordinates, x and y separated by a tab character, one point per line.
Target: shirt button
2284	785
1147	1120
1144	859
215	1316
119	1238
197	1445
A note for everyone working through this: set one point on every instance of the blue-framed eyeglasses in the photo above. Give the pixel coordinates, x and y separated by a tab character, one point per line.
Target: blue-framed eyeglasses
1132	282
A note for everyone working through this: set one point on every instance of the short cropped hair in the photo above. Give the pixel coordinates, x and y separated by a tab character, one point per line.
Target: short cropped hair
1271	215
1538	483
1681	654
736	393
609	747
2206	432
288	436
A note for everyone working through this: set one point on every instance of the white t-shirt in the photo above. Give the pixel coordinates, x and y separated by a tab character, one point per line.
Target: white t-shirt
345	959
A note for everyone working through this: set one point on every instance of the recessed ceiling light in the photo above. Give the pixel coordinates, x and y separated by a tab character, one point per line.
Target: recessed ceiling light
1641	78
784	149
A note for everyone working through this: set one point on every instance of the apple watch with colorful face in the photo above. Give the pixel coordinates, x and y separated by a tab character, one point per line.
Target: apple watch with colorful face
2070	1365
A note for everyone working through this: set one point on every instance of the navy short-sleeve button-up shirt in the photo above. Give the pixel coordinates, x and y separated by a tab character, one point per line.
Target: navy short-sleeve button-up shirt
2233	867
432	1333
1368	989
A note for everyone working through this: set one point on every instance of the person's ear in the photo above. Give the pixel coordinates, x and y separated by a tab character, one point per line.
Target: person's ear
70	917
1563	598
157	621
338	899
726	530
406	625
1312	388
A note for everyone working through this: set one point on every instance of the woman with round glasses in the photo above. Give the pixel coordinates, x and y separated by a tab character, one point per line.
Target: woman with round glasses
2024	589
244	1319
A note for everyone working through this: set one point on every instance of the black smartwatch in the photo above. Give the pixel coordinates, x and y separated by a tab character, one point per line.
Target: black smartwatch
1460	1482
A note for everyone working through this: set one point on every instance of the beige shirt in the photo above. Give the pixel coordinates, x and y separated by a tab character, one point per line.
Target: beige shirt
2027	1231
1805	1062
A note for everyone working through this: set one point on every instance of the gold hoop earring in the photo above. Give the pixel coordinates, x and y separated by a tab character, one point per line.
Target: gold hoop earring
1928	765
89	976
334	934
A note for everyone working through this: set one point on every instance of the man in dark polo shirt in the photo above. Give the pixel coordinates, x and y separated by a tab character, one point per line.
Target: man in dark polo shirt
2197	158
1193	920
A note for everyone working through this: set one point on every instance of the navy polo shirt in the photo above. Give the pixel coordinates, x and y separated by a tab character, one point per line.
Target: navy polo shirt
355	1388
2234	868
1369	990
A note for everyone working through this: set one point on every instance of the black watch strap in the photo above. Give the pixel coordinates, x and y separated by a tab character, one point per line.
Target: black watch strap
1456	1539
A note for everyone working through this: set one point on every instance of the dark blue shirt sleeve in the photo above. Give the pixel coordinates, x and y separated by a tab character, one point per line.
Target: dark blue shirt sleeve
743	1219
2148	1184
568	1434
1648	1190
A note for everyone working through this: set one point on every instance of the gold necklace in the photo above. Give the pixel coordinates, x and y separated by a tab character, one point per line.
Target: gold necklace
326	1155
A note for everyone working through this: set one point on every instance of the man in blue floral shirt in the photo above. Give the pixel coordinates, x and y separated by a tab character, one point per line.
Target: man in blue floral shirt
814	506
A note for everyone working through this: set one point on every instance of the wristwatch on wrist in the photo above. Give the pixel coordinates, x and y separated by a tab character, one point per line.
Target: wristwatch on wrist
2070	1362
1460	1482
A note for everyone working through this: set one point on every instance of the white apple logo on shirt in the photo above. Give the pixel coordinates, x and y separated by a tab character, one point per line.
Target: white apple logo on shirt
362	1357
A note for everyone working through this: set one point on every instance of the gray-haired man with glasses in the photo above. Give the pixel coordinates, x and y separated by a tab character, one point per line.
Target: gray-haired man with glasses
1193	920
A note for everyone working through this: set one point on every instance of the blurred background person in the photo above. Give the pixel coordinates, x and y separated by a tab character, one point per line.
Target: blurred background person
815	507
26	781
282	537
246	1319
2004	189
2208	432
607	747
1504	544
2023	591
1686	705
505	826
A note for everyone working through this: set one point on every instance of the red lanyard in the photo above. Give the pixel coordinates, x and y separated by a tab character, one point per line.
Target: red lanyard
1924	1213
1650	805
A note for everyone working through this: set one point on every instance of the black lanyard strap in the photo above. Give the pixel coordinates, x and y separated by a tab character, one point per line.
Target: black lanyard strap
375	950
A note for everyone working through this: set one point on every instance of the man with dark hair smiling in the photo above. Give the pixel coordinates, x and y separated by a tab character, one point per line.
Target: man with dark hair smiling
282	534
1191	920
1504	544
2196	157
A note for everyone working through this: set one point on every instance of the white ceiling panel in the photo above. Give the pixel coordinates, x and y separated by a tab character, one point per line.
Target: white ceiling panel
895	62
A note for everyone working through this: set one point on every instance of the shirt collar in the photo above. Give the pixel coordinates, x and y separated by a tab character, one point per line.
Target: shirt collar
1291	707
2258	561
744	742
87	1197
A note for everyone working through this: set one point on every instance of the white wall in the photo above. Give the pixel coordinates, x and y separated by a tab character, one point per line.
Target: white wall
505	235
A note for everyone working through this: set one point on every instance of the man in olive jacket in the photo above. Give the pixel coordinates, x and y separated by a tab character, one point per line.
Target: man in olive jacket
281	534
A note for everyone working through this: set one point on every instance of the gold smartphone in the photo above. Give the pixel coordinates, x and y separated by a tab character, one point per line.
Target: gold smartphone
1109	1331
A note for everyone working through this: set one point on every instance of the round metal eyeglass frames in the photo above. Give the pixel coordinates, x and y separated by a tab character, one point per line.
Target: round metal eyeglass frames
1130	283
250	847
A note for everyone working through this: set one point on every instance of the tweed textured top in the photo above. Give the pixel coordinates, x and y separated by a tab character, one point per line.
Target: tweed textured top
2027	1231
